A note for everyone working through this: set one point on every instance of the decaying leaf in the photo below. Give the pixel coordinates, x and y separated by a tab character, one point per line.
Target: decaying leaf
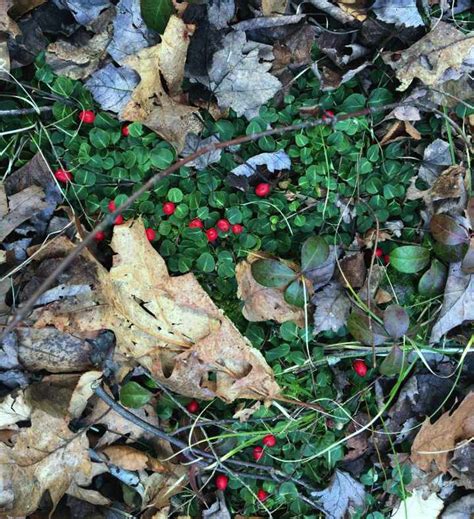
441	55
126	457
398	12
240	80
352	270
418	506
271	7
400	130
218	509
220	12
155	102
261	303
45	457
167	324
433	445
343	495
193	143
458	303
332	308
85	11
82	393
13	409
78	62
6	23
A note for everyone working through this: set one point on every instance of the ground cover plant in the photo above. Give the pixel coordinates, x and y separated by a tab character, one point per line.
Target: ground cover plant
277	326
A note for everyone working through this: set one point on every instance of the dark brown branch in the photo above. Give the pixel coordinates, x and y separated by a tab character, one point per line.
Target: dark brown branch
25	111
150	183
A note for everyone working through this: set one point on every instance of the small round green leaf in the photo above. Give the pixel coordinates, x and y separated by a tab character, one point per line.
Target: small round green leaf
272	273
294	294
206	262
134	395
432	282
314	253
409	259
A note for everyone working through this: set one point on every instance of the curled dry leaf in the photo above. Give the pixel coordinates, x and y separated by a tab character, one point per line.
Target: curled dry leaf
13	409
437	57
332	308
83	392
261	303
433	445
352	270
167	324
155	102
45	457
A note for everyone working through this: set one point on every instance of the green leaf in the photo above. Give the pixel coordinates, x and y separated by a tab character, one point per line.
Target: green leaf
156	13
99	138
294	294
175	195
432	282
380	97
314	253
409	259
84	177
353	103
396	321
366	331
393	363
272	273
161	158
206	262
133	395
450	253
447	231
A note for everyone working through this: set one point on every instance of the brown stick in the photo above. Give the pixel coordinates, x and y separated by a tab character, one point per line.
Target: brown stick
150	183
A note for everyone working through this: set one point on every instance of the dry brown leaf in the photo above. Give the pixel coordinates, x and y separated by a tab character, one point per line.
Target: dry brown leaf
6	23
126	457
382	296
433	445
46	457
160	487
400	130
434	59
78	62
371	236
13	409
272	7
167	324
356	8
82	392
261	303
352	270
156	100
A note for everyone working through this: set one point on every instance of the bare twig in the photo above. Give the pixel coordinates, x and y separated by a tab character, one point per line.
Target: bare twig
335	12
150	183
25	111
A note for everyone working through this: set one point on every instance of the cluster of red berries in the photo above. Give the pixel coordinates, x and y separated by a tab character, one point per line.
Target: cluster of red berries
379	254
223	225
222	481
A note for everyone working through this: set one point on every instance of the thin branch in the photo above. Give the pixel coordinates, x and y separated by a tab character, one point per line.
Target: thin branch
151	182
25	111
336	12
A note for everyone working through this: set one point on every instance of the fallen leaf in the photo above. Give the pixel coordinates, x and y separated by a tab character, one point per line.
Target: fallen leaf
332	308
155	102
448	192
82	393
130	32
458	303
220	12
396	321
437	57
167	324
352	270
261	303
271	7
85	11
382	296
400	130
433	445
461	466
234	75
14	409
416	506
462	508
112	86
126	457
4	57
321	275
343	495
356	8
78	62
294	51
193	143
46	457
218	509
6	23
398	12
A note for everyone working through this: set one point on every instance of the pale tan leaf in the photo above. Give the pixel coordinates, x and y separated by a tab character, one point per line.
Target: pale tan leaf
442	50
271	7
46	457
261	303
13	409
82	392
126	457
418	506
433	445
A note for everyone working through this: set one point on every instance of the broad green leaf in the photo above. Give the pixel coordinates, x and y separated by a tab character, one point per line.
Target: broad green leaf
156	13
409	259
99	138
134	395
314	253
396	321
353	103
432	282
366	331
447	231
206	262
450	253
393	363
294	294
272	273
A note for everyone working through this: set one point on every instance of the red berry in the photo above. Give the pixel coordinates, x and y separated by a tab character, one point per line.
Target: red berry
386	259
99	236
223	225
169	208
119	220
269	440
237	228
150	234
257	453
87	116
211	234
63	176
196	224
262	495
263	189
112	206
221	482
378	252
125	131
360	367
193	407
